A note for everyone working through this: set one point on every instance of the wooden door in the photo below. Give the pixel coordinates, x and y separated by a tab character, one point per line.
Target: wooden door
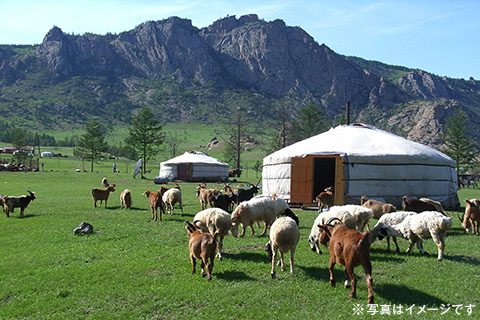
301	180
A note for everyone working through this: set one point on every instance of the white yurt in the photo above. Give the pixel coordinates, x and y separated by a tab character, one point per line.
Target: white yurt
358	160
194	166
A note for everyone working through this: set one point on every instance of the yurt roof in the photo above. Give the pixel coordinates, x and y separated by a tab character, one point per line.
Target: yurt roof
194	157
362	144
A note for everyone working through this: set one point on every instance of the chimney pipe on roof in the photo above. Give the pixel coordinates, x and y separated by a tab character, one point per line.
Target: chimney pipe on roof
348	113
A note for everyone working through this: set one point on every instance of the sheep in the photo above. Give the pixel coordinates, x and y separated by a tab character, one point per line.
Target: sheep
393	218
214	220
164	189
350	248
378	208
284	236
101	195
2	202
22	202
156	202
202	245
425	225
339	212
325	199
424	204
471	217
263	209
126	199
171	197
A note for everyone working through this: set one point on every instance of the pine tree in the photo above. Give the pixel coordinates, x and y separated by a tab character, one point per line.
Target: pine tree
92	143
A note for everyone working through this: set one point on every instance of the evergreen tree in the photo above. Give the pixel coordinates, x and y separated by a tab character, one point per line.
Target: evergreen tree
309	122
92	143
145	136
458	145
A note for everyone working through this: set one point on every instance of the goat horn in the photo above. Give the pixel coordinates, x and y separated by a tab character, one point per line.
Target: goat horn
333	219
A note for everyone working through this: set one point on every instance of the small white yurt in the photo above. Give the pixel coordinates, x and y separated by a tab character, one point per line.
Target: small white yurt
194	166
360	160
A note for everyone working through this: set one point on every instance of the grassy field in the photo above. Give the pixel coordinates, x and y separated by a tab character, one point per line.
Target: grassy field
134	268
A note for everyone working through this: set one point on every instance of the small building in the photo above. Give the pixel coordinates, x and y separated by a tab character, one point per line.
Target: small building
194	166
46	154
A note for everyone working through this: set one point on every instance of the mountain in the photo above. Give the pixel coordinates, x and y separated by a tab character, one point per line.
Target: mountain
200	75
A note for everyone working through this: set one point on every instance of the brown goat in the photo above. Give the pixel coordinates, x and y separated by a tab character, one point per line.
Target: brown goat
471	217
325	199
101	195
126	199
165	189
378	208
156	202
206	196
349	248
10	203
424	204
202	246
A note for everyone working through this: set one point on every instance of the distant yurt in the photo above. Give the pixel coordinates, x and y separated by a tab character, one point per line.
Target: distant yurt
358	160
194	166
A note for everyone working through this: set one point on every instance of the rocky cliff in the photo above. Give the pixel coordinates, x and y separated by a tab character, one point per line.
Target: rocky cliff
171	64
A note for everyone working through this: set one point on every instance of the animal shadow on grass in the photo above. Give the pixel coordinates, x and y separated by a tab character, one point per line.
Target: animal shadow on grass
406	296
247	256
322	274
25	216
233	276
463	259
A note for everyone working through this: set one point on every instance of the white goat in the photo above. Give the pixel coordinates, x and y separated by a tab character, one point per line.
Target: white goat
284	236
171	197
394	218
425	225
214	220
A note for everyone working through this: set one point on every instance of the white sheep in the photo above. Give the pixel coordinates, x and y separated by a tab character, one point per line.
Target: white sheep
335	212
256	209
212	220
425	225
171	197
394	218
361	214
284	236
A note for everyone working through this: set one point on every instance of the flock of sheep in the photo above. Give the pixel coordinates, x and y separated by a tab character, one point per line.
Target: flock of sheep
339	227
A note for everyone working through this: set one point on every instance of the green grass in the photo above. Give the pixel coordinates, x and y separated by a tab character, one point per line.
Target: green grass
134	268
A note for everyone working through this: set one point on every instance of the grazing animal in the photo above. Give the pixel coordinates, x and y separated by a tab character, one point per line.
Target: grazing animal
214	220
325	199
2	202
202	246
156	203
171	197
424	204
471	217
284	236
126	199
425	225
205	195
232	195
221	201
164	189
378	208
247	194
393	218
10	203
101	195
350	248
105	182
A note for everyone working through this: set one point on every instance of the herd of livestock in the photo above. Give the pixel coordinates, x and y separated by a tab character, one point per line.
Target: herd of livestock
341	228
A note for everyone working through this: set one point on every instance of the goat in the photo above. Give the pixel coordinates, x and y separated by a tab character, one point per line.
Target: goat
424	204
165	189
284	236
232	195
105	182
10	203
214	220
101	195
126	199
2	202
221	201
205	195
202	246
471	217
350	248
325	199
378	208
156	202
425	225
247	194
171	197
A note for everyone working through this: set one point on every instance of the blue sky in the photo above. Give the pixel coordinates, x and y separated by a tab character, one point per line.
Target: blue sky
441	37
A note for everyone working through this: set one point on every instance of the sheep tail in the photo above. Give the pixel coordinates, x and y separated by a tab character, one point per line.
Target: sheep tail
445	224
